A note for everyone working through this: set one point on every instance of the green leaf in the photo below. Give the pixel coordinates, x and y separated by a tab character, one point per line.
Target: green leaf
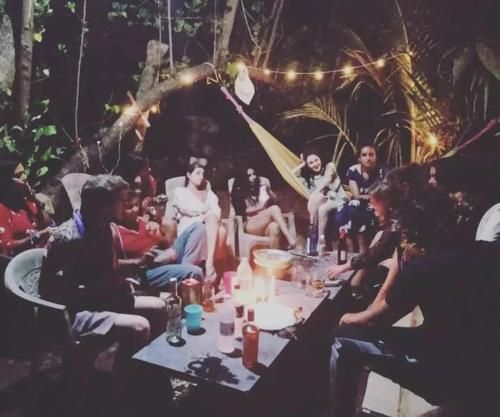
49	130
37	37
47	154
489	58
42	171
71	6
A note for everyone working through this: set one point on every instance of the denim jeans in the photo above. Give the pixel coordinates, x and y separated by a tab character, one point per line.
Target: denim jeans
393	354
191	250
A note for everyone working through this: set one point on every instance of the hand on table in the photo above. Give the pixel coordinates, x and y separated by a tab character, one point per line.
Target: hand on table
334	271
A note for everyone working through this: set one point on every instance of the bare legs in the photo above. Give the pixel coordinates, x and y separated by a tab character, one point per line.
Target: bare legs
212	227
319	206
270	222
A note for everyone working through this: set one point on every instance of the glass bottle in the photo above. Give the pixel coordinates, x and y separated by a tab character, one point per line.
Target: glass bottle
239	320
312	240
342	248
225	340
174	314
244	274
250	341
321	245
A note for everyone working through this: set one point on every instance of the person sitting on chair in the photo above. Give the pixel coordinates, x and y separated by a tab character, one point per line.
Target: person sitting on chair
196	204
358	214
323	183
254	200
82	272
453	356
23	223
140	243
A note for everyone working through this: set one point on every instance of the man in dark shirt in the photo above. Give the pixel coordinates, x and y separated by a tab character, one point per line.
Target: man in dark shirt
453	356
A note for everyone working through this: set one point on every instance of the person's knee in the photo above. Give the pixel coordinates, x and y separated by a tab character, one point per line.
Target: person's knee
324	209
211	218
273	229
195	272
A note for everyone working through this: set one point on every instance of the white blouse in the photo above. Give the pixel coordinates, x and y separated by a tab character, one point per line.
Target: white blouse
190	209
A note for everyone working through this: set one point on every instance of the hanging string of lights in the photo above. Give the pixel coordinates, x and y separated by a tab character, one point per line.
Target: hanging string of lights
318	74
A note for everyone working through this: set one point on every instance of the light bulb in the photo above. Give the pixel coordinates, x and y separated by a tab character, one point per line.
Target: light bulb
318	75
380	63
347	70
291	75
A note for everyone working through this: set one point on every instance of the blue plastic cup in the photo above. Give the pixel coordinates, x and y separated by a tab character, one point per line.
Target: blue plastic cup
193	317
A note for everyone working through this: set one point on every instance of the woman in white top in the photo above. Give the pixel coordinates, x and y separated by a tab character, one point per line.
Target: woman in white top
195	202
323	183
254	200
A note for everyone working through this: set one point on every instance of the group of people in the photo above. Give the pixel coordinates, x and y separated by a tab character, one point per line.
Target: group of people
349	212
422	254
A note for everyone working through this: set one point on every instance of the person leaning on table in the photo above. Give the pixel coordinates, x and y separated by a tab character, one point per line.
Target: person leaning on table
452	357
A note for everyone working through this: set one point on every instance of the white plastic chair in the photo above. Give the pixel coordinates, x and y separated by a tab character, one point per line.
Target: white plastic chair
247	241
170	185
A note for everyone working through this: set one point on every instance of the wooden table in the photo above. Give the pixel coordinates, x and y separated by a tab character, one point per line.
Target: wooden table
200	360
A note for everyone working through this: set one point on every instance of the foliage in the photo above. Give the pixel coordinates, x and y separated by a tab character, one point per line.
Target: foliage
415	123
35	143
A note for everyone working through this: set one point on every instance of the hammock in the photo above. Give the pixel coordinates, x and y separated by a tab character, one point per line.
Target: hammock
282	157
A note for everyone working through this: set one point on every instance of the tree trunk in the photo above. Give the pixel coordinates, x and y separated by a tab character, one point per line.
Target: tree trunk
22	83
147	96
154	54
273	33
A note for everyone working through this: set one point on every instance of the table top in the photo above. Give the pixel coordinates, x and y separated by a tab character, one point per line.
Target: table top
199	358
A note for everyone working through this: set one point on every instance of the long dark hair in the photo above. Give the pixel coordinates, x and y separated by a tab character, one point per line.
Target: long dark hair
12	194
307	173
244	191
424	215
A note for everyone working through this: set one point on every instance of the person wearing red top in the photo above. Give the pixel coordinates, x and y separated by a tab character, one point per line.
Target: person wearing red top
21	223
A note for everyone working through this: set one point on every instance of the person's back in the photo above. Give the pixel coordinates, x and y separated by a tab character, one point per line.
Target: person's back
489	226
458	291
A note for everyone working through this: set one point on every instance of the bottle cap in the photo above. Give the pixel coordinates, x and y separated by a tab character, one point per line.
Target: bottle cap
240	310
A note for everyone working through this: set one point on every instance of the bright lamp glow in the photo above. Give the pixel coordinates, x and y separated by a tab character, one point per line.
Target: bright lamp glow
267	71
291	75
433	140
380	63
318	75
347	70
187	78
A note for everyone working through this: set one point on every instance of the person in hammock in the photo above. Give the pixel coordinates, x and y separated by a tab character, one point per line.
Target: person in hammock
254	200
325	188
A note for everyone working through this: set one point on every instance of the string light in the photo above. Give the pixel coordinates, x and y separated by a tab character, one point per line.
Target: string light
240	65
291	75
129	110
318	75
187	78
348	70
433	140
155	109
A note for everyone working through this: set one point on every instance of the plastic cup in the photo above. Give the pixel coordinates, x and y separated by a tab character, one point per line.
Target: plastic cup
193	317
228	278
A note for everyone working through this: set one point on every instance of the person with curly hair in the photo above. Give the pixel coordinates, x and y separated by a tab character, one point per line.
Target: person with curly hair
453	355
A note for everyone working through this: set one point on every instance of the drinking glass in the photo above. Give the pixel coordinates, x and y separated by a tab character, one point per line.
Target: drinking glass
316	283
207	296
